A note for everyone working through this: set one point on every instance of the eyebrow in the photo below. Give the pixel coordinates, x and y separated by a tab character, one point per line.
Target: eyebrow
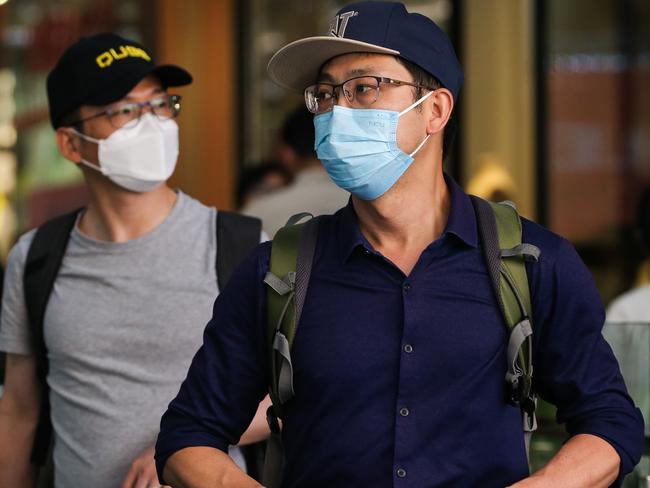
155	91
326	77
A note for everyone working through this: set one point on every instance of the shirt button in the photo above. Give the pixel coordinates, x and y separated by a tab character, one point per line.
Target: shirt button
401	473
408	348
407	287
404	412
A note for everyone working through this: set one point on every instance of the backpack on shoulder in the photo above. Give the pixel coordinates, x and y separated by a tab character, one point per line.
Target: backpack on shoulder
237	235
292	254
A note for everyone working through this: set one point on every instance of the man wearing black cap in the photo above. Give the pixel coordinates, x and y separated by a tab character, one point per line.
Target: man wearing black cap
399	356
134	287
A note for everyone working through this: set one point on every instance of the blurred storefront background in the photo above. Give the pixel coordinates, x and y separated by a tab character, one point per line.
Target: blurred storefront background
35	181
554	114
597	138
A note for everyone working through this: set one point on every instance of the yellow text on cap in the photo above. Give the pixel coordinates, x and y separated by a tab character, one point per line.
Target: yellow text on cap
105	59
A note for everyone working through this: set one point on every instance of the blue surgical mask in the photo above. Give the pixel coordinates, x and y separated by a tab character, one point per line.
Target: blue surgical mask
358	148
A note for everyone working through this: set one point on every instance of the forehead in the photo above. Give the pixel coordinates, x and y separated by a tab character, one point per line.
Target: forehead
346	66
149	85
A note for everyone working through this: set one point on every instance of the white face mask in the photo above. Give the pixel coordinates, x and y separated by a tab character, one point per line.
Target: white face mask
138	158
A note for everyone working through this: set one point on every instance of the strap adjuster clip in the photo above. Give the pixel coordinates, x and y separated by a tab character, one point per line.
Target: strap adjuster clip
272	420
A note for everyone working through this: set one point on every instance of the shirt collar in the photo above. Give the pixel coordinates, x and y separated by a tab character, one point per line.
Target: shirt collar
462	219
461	222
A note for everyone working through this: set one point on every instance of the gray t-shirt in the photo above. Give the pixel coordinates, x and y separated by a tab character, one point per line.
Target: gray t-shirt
121	327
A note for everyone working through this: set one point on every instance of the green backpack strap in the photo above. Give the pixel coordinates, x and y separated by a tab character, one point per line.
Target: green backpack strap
292	253
505	254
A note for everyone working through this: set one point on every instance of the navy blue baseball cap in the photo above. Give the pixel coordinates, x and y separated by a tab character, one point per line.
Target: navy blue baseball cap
101	69
370	27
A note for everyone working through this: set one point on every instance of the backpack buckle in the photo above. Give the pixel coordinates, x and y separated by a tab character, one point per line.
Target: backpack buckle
284	384
513	388
528	414
272	420
518	380
529	404
519	388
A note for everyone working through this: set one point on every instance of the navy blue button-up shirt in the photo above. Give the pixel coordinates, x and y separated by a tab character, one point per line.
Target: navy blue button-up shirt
399	380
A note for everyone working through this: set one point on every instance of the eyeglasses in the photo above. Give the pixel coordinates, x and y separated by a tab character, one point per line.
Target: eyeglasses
360	92
128	114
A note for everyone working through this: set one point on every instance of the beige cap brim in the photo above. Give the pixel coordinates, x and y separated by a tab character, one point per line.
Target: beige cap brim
296	65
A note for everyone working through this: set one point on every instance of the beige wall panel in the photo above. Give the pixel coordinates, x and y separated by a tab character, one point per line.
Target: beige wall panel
498	118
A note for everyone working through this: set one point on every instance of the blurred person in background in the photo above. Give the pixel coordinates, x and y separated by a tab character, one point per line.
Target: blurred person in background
311	189
401	354
134	288
628	319
634	305
260	180
492	181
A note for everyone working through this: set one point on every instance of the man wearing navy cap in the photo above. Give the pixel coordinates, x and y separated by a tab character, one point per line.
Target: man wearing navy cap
132	293
400	353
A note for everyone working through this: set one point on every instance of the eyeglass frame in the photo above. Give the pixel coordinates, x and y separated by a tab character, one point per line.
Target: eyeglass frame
175	99
379	79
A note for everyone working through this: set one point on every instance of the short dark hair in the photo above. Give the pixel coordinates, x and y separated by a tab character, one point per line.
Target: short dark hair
422	77
298	132
72	119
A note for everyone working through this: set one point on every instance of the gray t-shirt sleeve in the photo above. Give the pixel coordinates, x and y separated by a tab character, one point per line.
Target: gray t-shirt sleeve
14	328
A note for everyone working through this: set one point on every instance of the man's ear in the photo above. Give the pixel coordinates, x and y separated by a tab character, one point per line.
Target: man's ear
69	144
440	105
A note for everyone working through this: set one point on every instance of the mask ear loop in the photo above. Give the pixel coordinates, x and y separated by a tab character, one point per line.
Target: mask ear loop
420	146
85	162
411	107
84	136
416	103
91	165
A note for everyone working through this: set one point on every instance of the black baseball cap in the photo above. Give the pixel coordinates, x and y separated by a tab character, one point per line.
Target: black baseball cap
100	69
370	27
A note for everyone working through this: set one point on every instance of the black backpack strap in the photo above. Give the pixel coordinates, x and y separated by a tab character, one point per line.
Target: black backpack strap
44	259
237	236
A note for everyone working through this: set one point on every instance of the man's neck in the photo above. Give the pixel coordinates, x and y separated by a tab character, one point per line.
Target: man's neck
117	215
409	217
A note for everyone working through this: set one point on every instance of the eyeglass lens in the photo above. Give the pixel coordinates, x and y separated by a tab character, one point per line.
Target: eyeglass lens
359	92
129	113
